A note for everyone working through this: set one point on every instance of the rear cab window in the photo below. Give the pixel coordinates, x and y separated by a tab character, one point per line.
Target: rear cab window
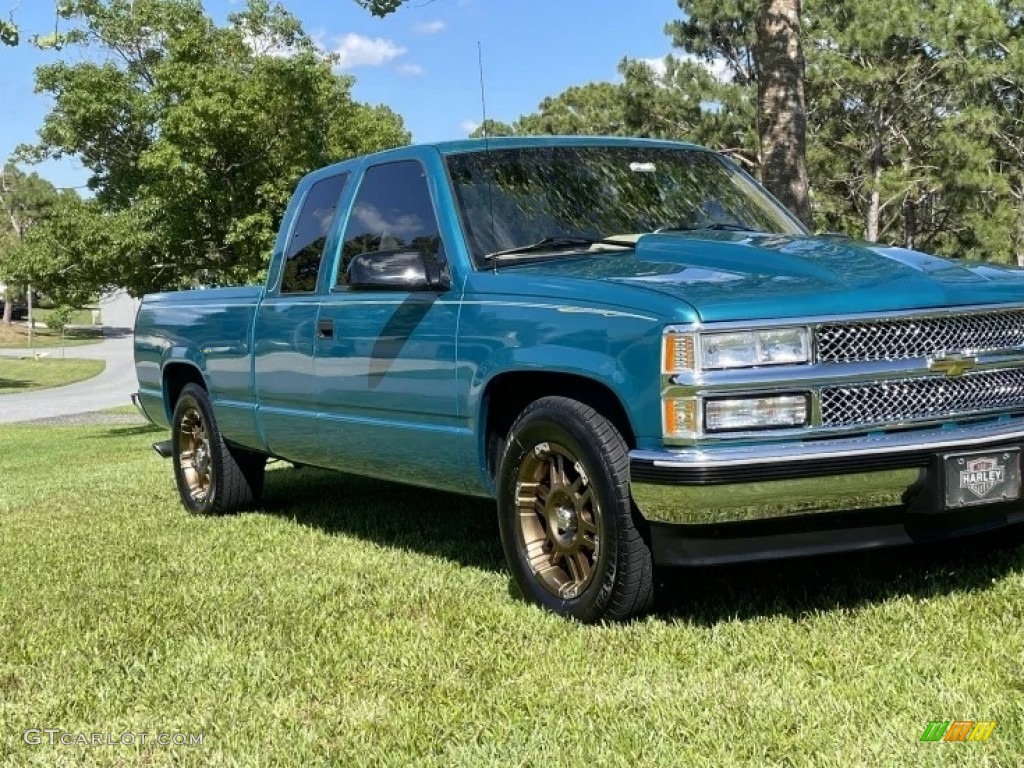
304	254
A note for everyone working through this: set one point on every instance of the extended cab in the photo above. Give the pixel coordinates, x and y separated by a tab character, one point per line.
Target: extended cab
629	344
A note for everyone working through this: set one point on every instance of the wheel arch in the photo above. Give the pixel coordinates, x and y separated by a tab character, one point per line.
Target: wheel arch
507	394
176	375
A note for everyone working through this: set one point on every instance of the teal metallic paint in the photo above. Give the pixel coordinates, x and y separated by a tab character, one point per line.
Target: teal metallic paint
222	318
730	276
551	326
284	375
598	316
385	388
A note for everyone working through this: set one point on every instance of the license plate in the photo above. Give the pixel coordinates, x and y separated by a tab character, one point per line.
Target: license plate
982	478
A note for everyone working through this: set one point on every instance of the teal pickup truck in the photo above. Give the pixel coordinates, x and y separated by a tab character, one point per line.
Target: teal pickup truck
627	343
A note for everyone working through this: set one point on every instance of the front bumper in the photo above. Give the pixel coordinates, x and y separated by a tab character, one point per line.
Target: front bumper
738	503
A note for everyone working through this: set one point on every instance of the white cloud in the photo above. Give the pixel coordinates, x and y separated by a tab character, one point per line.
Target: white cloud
658	65
265	45
718	68
410	70
430	27
468	126
355	50
406	225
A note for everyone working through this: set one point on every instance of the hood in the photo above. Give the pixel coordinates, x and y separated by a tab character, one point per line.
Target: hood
738	276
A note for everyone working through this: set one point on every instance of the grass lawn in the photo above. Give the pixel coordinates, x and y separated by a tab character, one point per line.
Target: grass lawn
23	375
13	336
350	622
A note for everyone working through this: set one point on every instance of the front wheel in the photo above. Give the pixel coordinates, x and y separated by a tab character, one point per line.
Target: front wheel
566	516
213	478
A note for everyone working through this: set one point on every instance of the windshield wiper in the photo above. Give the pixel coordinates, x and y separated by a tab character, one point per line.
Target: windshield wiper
560	241
717	226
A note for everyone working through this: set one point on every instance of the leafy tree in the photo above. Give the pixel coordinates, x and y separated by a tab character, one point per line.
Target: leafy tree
381	8
8	32
783	123
195	136
26	201
82	249
759	44
914	121
492	128
1002	93
903	138
762	43
685	101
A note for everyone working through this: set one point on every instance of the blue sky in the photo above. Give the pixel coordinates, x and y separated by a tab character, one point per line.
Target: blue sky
422	60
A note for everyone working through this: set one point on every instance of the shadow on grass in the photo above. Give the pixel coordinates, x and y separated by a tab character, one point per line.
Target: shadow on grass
131	430
457	528
81	334
6	384
794	588
465	530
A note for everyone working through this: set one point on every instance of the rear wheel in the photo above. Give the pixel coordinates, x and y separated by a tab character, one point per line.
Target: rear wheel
213	478
566	517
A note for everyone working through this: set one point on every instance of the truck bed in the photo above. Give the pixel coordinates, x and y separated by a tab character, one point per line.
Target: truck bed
215	327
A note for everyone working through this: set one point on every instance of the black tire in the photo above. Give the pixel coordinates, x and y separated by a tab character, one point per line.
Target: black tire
214	478
585	521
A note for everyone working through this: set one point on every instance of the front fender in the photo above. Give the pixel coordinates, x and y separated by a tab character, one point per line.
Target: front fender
553	358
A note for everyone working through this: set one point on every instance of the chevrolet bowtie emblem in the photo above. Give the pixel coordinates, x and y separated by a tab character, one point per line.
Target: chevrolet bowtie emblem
952	364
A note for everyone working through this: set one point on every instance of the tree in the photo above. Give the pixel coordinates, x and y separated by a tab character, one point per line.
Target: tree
381	8
1003	93
195	136
779	61
904	134
759	43
491	129
26	201
680	99
81	250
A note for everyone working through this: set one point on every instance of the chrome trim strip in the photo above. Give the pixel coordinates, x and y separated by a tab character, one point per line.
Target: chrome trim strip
813	320
818	432
830	374
870	445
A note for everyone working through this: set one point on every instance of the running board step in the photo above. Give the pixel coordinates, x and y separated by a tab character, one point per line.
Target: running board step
164	448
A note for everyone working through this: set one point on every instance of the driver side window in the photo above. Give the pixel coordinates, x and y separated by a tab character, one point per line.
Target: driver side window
392	213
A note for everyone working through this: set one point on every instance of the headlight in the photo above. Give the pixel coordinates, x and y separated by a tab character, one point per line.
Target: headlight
755	413
745	349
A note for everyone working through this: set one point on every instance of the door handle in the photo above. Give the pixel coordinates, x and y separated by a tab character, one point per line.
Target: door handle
325	329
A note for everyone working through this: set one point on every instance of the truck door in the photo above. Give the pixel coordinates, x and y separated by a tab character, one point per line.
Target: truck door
283	369
385	360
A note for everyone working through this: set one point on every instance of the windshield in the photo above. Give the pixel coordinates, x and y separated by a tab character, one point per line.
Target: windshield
511	198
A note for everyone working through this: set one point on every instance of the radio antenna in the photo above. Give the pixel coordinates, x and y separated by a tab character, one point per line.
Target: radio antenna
483	92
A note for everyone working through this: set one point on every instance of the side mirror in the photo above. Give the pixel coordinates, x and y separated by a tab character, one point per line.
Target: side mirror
396	271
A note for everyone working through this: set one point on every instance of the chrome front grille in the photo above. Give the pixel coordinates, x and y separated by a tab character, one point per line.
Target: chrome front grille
903	400
918	337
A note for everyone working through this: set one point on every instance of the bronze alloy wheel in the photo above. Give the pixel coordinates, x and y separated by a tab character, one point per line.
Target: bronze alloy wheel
558	519
195	456
212	476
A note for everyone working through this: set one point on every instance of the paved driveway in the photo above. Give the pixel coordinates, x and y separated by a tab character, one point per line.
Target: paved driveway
112	387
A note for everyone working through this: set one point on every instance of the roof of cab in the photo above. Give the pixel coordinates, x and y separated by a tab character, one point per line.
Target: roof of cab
513	142
498	143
